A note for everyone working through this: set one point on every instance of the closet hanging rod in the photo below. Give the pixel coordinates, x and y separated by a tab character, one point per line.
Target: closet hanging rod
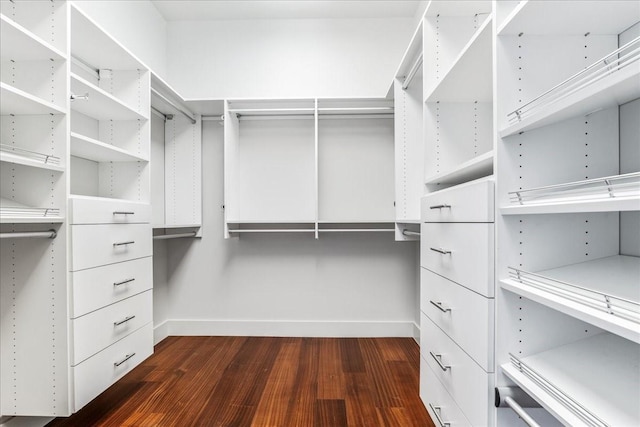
158	112
412	72
85	66
410	233
168	101
174	236
51	234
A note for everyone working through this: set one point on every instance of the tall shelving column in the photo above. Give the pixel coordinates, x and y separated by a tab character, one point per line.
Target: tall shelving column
33	186
568	197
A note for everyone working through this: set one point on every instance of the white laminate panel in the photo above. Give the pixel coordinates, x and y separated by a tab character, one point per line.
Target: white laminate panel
97	287
468	260
470	202
441	406
101	328
465	316
469	385
91	210
97	373
97	245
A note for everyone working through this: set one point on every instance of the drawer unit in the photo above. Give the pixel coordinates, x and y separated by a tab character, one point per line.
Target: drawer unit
97	245
94	288
461	252
470	202
442	408
107	211
97	373
101	328
465	316
469	385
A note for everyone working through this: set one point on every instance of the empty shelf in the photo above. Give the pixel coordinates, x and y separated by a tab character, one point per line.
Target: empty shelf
19	156
19	44
98	151
13	212
19	102
477	167
602	292
100	104
594	381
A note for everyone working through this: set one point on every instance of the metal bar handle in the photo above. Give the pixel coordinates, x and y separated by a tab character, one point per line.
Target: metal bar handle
437	357
436	412
123	321
126	357
124	282
131	242
440	207
439	306
123	213
520	412
441	251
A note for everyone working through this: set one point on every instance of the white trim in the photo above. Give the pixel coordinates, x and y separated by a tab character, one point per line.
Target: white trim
364	329
416	333
160	332
24	421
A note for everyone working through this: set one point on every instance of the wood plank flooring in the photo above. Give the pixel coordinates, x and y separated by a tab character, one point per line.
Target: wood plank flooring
266	382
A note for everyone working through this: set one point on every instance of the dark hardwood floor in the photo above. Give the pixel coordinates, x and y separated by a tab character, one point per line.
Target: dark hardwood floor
275	382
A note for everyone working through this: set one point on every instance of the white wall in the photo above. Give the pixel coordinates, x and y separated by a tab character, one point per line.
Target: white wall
137	25
286	58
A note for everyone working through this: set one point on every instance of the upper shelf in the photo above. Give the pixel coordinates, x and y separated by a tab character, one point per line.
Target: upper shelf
550	17
100	104
470	76
477	167
19	44
95	47
19	156
602	292
19	102
98	151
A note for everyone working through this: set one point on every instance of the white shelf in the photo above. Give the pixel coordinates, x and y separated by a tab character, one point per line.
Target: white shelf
477	167
10	154
19	44
470	76
550	18
265	112
260	221
98	151
597	377
408	221
172	226
602	292
105	199
356	230
19	102
13	212
100	105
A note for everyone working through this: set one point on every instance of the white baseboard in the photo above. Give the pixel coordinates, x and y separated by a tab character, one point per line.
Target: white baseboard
160	332
24	421
416	332
273	328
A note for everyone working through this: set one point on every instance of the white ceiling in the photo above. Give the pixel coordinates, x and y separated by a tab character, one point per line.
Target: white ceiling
204	10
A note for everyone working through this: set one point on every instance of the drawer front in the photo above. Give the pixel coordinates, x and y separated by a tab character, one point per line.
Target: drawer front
98	287
97	245
441	406
93	211
471	202
101	328
465	316
461	252
97	373
469	385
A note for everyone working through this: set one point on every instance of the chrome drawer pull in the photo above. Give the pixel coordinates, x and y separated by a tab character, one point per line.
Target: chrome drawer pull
127	357
441	251
436	412
437	357
124	243
440	207
124	282
439	306
123	213
125	320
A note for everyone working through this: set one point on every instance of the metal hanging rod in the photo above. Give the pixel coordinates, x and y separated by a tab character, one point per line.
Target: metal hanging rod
174	236
412	72
158	112
85	66
51	234
410	233
168	101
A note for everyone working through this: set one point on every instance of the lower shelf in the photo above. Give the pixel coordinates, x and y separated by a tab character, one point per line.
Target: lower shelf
590	382
13	213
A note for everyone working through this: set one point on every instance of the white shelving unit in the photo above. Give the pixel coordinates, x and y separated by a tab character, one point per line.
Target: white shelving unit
568	305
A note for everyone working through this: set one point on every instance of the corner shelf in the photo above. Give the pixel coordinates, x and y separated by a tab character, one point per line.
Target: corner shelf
600	292
100	104
18	156
19	44
98	151
19	102
475	168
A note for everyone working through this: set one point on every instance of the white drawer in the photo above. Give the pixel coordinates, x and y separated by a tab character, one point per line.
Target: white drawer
101	328
97	245
462	252
107	211
97	287
470	202
465	316
469	385
441	406
97	373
